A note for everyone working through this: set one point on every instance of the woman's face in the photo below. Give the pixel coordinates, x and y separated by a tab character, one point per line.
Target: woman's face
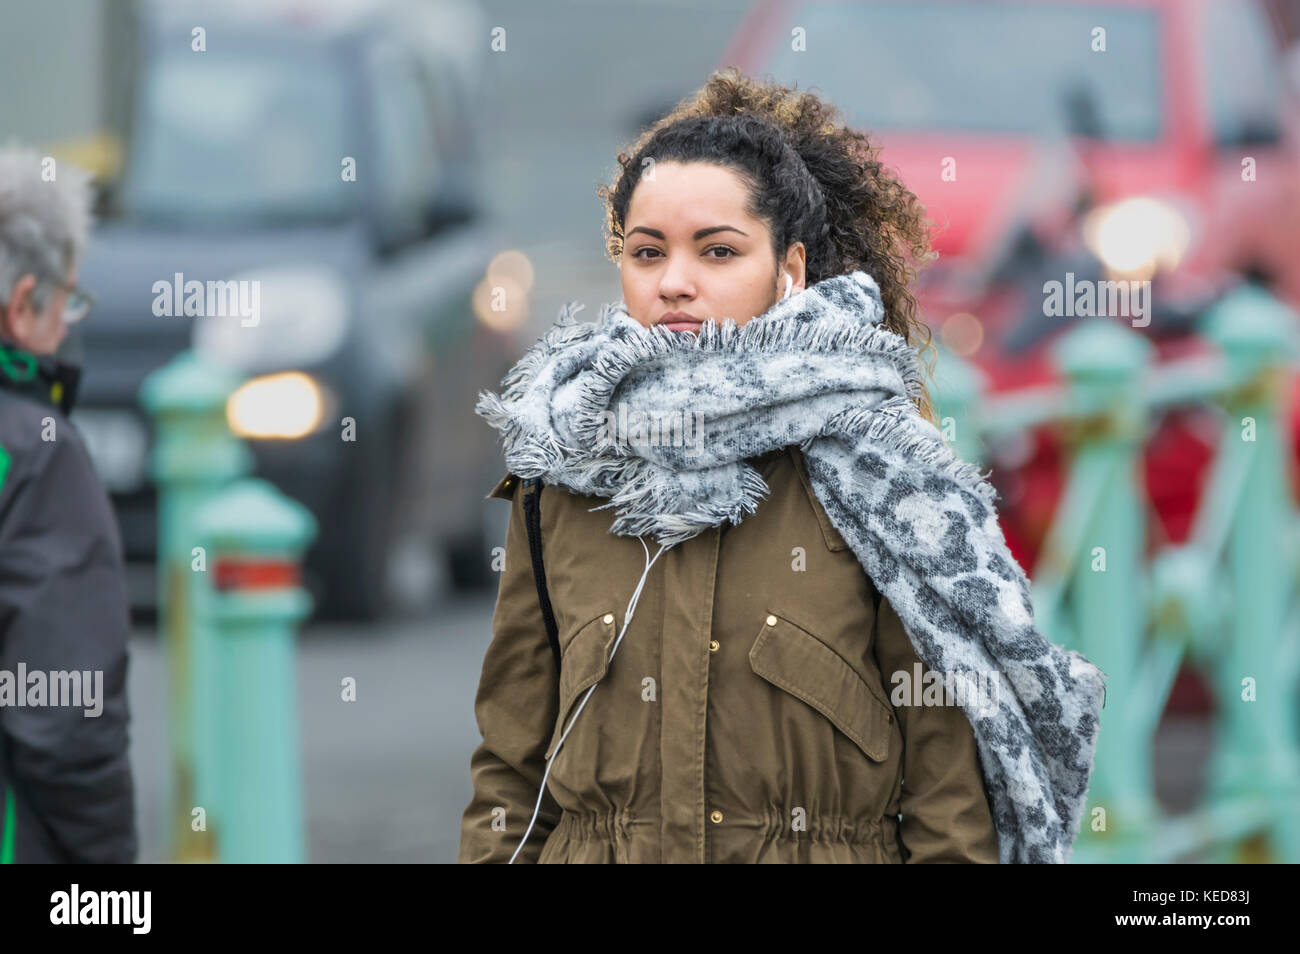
691	249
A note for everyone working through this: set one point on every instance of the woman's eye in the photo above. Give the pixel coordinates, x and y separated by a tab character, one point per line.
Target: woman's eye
731	252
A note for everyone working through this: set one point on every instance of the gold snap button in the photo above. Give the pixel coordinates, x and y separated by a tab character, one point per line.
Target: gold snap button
889	717
714	645
716	817
771	621
609	618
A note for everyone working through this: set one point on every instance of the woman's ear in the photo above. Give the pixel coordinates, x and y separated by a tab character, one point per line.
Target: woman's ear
795	265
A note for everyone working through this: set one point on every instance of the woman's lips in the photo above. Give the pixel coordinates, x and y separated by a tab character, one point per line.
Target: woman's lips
679	321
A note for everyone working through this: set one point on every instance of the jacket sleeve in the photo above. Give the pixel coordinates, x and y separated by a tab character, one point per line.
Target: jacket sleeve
64	608
944	806
516	708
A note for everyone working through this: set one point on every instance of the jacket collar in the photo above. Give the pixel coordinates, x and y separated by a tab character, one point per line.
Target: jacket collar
43	377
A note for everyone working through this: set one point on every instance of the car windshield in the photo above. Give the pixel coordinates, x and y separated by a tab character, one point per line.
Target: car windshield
925	65
239	137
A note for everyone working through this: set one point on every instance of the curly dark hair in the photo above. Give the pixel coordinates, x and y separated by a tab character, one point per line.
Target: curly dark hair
809	177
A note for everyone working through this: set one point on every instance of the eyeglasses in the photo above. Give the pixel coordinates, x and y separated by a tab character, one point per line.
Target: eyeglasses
77	303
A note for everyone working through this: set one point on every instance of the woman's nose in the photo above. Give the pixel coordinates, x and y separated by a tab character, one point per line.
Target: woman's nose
676	283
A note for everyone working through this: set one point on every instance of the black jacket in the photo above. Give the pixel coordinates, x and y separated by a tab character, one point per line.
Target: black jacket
66	792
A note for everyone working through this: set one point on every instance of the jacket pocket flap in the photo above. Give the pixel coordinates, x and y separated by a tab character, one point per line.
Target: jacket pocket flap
584	660
793	659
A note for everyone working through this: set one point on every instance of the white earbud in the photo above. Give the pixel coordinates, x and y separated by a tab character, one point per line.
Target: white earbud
789	284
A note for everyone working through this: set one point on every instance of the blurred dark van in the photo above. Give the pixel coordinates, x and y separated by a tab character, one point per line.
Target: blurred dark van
327	153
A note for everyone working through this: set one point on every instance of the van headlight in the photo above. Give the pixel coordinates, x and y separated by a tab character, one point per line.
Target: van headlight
300	319
283	406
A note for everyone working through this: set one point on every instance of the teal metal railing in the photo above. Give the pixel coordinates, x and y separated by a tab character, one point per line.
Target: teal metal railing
1225	601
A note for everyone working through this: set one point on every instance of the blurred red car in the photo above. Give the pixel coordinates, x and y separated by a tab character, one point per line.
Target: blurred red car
1140	139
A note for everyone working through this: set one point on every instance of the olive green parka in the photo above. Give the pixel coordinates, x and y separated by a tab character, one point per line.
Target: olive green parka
745	717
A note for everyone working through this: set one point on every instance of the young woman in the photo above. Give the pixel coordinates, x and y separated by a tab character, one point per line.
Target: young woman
753	692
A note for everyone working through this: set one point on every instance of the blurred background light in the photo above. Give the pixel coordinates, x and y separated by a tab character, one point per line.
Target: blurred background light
286	406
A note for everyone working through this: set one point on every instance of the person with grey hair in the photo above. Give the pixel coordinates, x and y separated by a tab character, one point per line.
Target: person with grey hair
66	792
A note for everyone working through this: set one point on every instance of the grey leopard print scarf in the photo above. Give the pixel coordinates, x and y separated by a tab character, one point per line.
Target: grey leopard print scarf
820	371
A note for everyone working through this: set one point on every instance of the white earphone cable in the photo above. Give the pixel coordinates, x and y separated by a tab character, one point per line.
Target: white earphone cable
627	618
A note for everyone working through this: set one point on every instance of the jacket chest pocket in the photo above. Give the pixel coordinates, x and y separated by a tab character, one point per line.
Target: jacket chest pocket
793	659
584	660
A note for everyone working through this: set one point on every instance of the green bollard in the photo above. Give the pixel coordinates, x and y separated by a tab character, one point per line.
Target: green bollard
251	600
1104	363
1257	754
194	455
